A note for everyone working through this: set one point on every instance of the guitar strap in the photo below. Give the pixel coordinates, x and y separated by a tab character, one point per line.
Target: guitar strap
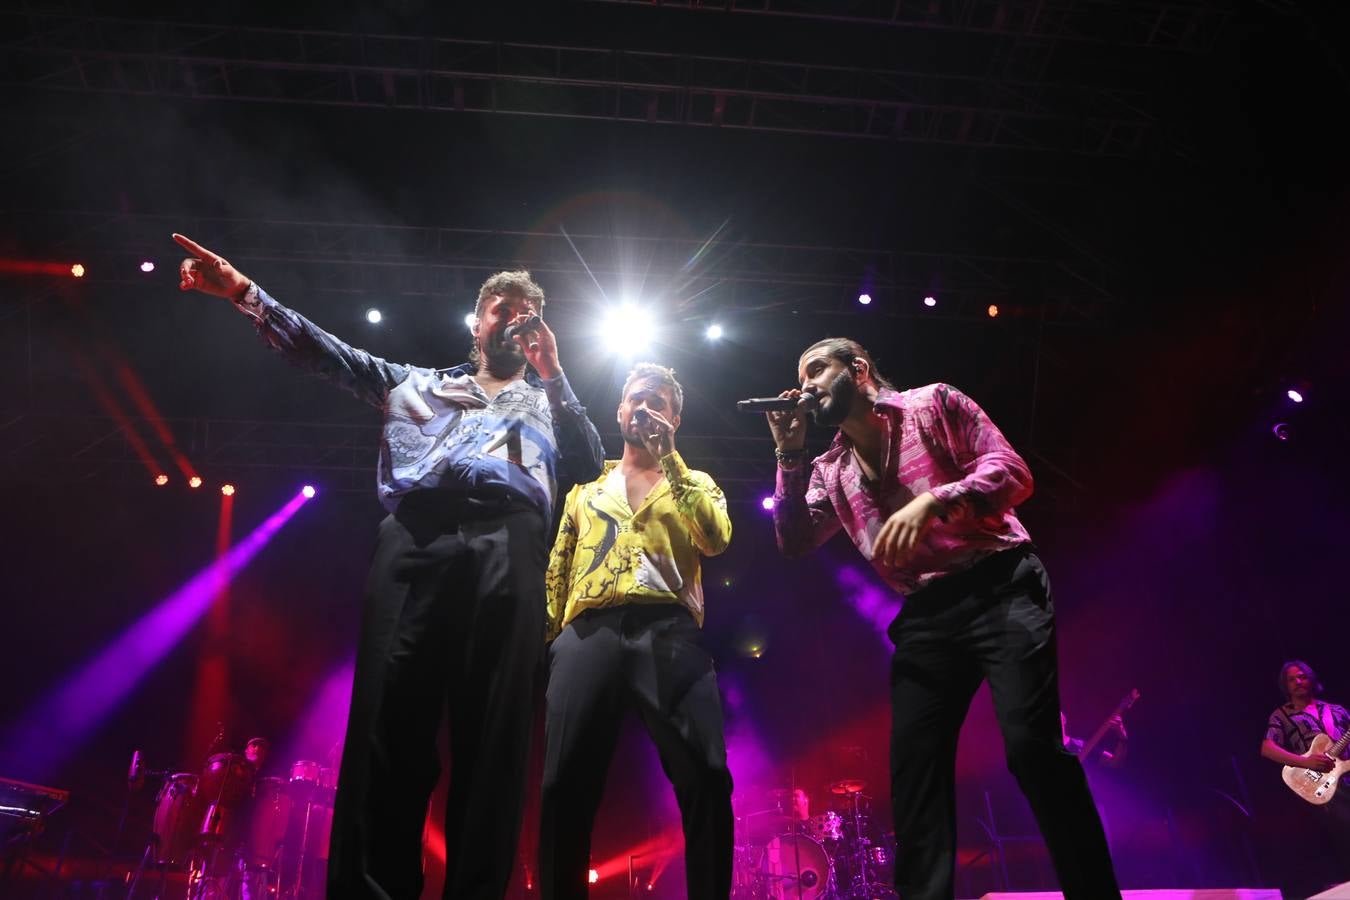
1328	724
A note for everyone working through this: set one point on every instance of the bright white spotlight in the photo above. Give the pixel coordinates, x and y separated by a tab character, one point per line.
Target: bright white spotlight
147	266
1294	395
930	301
864	299
469	320
308	491
767	504
373	316
627	330
714	332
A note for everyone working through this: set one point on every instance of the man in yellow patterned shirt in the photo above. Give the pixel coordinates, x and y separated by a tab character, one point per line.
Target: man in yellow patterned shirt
625	604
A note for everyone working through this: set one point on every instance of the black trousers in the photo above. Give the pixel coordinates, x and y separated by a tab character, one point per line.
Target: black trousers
648	659
994	621
454	617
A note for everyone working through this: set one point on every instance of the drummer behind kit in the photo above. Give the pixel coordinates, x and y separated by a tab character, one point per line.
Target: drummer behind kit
784	854
237	836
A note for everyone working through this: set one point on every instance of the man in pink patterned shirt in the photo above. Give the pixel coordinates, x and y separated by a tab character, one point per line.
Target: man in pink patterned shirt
925	484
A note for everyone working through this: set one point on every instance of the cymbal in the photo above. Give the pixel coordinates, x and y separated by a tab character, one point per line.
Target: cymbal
848	786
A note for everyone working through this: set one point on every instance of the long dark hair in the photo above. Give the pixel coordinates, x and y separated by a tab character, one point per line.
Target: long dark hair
1307	670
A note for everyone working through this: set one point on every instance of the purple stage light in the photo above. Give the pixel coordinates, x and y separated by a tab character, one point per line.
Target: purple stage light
56	725
864	299
1282	431
324	721
1294	395
874	603
930	301
767	504
308	491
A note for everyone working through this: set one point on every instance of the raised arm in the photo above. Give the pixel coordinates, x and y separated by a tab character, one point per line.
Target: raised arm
286	331
803	516
701	504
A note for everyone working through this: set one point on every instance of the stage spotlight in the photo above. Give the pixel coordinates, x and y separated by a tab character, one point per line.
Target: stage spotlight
930	301
767	503
77	270
627	330
308	491
864	299
469	321
993	310
161	480
714	332
593	877
195	481
1282	431
373	316
227	490
147	266
1296	396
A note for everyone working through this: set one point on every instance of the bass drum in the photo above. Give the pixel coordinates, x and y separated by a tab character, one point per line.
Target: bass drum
795	867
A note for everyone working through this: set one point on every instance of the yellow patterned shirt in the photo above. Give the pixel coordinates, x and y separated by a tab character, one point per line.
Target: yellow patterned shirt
607	554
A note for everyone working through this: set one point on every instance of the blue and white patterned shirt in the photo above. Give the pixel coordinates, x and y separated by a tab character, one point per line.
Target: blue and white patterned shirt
440	428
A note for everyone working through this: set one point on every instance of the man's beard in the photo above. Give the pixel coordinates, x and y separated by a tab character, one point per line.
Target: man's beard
841	393
502	356
632	435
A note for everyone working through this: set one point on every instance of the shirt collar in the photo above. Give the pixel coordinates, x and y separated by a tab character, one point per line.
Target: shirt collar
469	369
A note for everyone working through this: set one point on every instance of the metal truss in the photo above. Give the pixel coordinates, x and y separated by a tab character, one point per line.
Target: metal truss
1185	26
388	260
104	55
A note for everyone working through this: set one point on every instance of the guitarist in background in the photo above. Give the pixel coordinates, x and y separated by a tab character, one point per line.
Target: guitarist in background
1289	734
1114	758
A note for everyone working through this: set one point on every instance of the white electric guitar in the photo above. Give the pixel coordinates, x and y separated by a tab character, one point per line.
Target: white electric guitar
1312	785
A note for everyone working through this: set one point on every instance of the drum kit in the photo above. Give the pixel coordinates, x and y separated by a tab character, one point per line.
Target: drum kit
237	836
782	854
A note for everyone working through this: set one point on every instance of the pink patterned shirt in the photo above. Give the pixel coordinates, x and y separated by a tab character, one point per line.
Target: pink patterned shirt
937	439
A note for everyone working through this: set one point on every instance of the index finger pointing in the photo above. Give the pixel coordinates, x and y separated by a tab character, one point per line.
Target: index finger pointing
193	247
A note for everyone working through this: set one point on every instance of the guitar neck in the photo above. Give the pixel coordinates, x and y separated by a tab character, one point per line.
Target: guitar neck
1121	708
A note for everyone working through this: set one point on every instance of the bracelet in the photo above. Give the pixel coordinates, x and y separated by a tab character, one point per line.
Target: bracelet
789	458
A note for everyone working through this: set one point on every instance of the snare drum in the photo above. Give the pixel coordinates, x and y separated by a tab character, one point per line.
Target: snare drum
306	771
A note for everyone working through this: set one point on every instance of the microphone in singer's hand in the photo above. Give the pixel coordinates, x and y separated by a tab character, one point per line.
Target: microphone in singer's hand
805	402
530	324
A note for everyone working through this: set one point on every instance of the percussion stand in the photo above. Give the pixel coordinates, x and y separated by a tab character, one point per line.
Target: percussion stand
858	851
151	847
796	829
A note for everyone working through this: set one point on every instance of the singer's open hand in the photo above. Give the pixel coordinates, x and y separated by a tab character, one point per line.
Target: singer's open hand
658	435
788	426
209	272
539	345
902	532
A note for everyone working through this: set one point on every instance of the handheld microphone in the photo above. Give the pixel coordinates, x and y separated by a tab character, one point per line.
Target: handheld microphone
806	402
530	324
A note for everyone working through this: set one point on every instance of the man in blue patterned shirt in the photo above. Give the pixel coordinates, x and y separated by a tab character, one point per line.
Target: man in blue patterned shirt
470	462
